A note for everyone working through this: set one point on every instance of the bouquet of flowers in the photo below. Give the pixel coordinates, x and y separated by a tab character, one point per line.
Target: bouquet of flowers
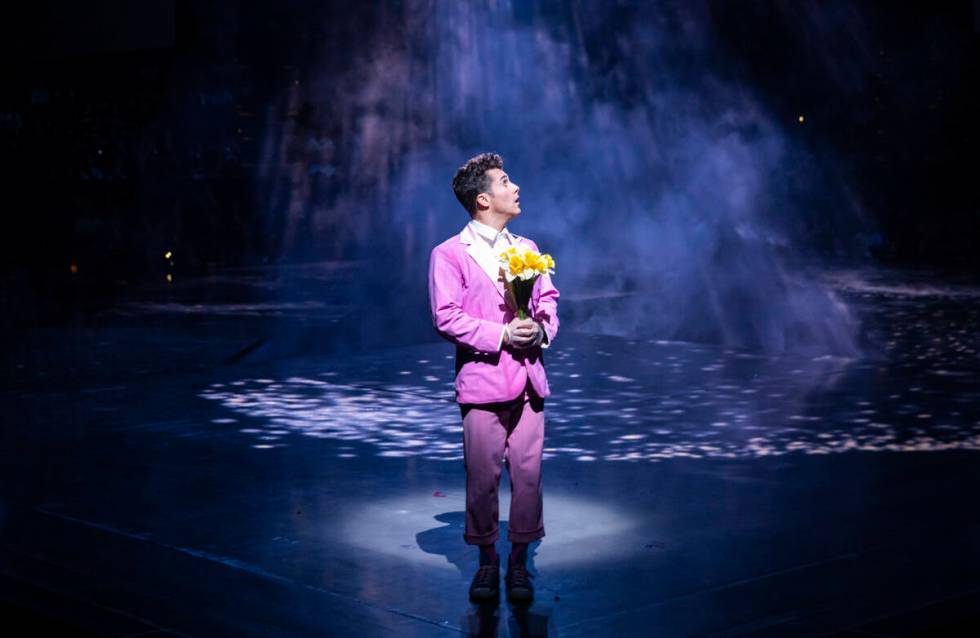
521	269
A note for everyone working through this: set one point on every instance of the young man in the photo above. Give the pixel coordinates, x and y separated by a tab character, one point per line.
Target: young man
500	378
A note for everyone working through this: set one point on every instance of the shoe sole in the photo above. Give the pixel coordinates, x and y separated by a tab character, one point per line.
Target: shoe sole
484	594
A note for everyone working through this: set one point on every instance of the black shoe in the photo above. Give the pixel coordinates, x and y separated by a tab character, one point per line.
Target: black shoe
519	587
486	582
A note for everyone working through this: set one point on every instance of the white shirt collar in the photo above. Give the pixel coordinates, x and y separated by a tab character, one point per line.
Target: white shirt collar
490	234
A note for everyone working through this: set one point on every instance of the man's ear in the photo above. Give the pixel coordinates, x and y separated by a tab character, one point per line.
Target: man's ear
483	199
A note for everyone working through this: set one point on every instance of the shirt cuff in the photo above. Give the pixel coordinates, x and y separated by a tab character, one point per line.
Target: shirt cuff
544	336
500	344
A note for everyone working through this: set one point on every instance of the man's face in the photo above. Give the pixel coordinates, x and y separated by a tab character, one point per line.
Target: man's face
504	195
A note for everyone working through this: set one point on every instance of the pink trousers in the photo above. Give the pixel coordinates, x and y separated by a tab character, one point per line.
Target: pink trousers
511	433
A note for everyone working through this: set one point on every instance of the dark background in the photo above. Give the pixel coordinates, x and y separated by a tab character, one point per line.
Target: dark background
131	129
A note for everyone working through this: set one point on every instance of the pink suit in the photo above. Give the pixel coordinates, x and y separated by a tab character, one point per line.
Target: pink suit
500	389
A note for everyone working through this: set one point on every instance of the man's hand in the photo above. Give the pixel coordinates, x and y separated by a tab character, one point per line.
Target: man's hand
525	333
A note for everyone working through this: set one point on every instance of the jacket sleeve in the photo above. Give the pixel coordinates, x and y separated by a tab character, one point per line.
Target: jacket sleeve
448	318
546	305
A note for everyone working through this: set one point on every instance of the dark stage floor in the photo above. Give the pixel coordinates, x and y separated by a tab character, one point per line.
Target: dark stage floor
194	468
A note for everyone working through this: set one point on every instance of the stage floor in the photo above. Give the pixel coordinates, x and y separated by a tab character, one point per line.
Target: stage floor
690	490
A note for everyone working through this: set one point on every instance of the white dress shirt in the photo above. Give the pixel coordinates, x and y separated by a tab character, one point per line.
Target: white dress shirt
497	242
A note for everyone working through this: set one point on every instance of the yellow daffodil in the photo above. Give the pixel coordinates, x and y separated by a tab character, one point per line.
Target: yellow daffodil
526	264
521	268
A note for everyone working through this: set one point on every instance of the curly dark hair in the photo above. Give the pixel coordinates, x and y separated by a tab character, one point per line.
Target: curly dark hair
471	179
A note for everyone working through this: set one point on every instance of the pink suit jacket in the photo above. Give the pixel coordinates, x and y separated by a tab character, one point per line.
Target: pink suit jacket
470	309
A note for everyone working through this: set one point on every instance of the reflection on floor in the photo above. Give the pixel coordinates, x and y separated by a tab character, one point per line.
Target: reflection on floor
690	490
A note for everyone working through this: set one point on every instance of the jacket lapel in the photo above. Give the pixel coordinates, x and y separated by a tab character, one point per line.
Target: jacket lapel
483	257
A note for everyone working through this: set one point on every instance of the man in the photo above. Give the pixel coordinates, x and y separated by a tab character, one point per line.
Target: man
500	378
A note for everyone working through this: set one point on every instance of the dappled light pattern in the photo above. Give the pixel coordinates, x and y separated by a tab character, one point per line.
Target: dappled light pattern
394	420
923	323
257	309
620	400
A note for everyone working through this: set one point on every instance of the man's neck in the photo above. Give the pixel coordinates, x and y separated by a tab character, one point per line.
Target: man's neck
497	223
